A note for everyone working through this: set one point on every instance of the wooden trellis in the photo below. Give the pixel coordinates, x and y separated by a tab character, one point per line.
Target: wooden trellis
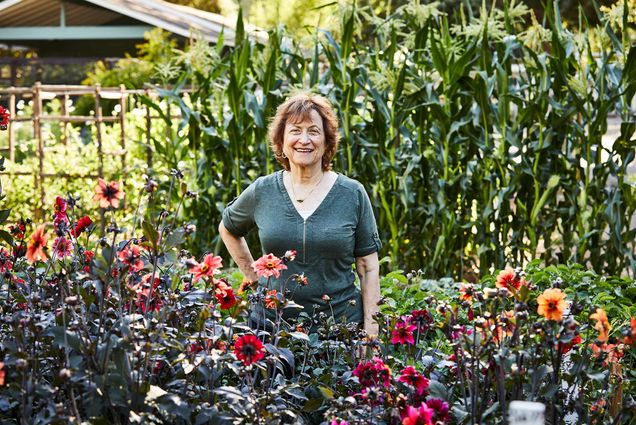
41	92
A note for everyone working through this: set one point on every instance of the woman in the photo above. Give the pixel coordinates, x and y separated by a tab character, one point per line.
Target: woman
324	216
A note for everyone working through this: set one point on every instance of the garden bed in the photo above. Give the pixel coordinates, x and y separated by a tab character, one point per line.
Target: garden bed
138	331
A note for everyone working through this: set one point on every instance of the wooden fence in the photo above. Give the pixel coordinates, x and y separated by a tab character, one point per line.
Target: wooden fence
39	93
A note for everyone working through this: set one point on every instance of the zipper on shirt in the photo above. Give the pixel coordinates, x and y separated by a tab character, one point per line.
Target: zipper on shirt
304	234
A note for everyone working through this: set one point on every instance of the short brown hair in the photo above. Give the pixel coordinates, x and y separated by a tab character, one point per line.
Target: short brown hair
297	108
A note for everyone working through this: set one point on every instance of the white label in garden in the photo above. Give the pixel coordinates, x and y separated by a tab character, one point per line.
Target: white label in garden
526	413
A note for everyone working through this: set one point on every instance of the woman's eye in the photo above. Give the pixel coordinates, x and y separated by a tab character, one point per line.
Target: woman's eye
314	132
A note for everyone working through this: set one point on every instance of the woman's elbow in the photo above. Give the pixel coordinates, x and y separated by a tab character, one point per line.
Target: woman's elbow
227	236
224	233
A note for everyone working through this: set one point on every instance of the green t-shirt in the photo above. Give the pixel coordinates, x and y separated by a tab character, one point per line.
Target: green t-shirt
327	242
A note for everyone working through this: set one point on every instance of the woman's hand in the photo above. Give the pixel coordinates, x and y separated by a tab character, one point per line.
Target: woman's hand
368	269
372	329
240	252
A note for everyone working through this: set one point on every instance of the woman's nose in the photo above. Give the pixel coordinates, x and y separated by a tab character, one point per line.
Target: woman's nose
304	138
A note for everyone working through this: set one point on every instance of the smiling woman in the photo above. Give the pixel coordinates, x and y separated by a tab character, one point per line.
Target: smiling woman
324	216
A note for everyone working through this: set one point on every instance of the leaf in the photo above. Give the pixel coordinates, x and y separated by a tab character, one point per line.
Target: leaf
326	392
296	392
312	405
58	333
6	236
4	215
154	393
231	394
398	275
150	233
553	182
437	389
176	238
187	367
291	304
598	376
299	335
492	409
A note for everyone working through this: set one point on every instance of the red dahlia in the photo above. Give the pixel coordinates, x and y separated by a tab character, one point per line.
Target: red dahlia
249	349
412	377
4	118
225	296
81	225
131	256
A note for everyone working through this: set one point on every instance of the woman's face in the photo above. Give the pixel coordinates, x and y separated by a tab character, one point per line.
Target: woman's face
304	142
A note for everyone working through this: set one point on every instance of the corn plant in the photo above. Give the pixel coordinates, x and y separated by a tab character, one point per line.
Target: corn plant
479	139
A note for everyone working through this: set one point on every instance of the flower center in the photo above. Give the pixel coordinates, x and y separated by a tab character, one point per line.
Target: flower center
110	192
270	265
204	268
249	350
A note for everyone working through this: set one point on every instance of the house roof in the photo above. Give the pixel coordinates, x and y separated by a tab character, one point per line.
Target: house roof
95	19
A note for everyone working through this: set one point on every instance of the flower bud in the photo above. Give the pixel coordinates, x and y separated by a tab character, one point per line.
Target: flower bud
151	185
64	374
176	173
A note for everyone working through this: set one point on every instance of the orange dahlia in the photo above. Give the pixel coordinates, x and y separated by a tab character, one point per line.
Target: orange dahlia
552	304
466	292
602	324
37	245
508	278
271	299
630	339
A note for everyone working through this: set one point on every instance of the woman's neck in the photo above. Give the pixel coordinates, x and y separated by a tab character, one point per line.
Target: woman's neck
302	176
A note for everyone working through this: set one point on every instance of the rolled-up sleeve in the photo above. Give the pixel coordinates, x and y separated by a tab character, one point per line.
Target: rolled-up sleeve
238	216
367	238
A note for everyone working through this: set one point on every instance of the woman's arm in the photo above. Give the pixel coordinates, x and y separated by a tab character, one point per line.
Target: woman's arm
368	269
240	252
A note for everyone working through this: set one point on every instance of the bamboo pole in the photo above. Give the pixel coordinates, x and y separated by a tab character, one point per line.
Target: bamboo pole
64	122
616	399
98	131
122	126
122	138
100	153
148	135
37	129
11	134
78	118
